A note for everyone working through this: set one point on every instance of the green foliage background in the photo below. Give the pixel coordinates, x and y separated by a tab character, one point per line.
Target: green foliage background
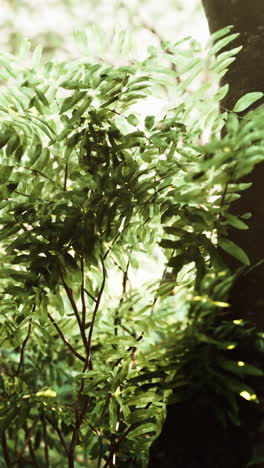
89	187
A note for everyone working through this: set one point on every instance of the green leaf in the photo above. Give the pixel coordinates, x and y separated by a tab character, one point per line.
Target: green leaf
113	407
132	119
246	101
141	430
236	222
218	34
24	49
58	302
69	102
42	161
41	96
123	341
234	250
5	172
37	189
222	43
149	122
4	139
70	263
138	416
236	385
36	57
13	144
143	399
70	85
46	393
240	368
8	68
171	244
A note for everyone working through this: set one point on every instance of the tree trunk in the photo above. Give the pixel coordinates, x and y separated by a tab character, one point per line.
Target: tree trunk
190	439
245	75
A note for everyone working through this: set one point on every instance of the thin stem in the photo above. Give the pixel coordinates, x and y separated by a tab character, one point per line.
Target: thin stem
117	444
20	193
131	348
35	171
119	234
89	294
80	414
64	339
5	451
219	217
131	333
82	294
29	433
65	178
22	352
119	414
124	287
57	429
69	293
46	444
79	417
97	304
22	225
30	446
99	461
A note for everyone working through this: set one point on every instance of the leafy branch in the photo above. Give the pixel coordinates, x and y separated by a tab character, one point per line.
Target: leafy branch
65	340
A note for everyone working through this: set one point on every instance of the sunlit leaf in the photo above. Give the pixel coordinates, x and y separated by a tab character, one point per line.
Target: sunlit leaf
246	101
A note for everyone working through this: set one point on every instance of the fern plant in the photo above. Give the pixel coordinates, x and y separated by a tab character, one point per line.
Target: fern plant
90	187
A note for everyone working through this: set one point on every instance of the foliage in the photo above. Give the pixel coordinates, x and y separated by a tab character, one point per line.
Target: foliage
87	187
39	22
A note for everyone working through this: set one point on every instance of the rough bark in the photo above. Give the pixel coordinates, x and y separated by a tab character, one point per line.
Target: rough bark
245	75
186	441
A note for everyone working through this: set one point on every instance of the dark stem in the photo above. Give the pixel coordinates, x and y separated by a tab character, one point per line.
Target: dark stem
119	234
69	293
20	453
79	417
22	352
221	204
113	460
57	429
64	339
89	294
82	294
65	178
20	193
46	444
97	304
117	320
30	446
5	451
117	445
39	173
130	332
80	413
99	461
131	348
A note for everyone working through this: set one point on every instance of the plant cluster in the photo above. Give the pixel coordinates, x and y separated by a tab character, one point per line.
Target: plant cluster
88	186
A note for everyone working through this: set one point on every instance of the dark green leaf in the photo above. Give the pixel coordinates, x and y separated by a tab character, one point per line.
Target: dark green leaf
234	250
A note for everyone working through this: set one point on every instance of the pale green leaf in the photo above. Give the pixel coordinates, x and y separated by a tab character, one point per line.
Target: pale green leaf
246	101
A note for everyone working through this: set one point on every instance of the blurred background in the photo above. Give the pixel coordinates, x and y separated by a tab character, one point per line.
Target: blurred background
52	23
